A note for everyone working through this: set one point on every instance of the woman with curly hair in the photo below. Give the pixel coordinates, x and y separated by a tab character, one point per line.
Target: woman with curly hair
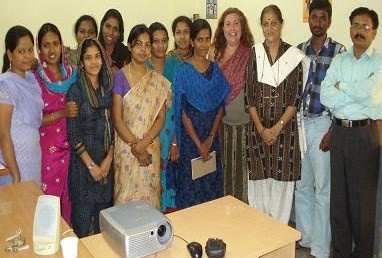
230	50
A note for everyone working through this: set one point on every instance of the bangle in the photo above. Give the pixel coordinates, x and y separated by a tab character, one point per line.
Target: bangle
91	165
81	144
80	152
173	144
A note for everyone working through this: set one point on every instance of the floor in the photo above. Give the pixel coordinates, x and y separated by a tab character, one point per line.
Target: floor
302	253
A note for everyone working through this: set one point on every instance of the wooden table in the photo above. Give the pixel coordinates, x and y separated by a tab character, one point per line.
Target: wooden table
17	207
247	232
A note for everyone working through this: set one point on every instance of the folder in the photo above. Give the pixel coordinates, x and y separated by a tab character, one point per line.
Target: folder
200	168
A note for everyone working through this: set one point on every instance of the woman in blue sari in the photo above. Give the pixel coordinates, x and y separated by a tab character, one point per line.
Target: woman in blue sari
200	93
169	152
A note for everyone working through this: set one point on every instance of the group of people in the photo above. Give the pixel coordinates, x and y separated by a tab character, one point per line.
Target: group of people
106	123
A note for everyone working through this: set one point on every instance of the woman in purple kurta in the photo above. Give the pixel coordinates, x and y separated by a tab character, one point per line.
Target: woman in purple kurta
20	111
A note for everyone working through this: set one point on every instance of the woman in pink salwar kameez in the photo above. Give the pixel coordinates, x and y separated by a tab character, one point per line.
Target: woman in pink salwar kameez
55	77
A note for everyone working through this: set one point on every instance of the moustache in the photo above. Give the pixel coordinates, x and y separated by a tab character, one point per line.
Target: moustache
360	36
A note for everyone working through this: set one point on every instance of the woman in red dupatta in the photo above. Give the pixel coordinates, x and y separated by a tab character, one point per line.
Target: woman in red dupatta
231	47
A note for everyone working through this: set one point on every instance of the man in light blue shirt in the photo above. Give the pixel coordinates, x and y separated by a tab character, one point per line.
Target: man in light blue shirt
352	90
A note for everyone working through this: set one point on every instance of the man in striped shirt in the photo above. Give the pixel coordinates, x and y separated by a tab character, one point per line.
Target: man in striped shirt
312	197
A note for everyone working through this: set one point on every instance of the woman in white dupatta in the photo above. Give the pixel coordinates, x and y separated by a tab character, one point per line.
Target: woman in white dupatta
272	95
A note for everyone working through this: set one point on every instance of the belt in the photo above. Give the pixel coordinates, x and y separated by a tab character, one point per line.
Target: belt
353	123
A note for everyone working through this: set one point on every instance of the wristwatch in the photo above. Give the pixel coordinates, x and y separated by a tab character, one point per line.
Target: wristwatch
91	165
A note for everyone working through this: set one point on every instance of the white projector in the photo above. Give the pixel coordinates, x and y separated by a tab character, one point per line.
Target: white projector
135	229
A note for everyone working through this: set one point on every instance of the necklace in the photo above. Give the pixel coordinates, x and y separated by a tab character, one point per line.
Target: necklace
131	77
278	73
203	67
183	56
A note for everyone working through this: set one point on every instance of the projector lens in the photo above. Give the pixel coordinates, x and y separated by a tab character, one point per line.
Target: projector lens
161	230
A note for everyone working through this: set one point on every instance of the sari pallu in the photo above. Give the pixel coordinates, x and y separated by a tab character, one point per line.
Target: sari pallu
168	168
141	105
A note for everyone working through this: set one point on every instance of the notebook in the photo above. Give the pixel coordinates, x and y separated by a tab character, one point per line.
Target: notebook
200	168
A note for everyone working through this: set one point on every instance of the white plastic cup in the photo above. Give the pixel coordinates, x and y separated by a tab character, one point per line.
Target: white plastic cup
69	246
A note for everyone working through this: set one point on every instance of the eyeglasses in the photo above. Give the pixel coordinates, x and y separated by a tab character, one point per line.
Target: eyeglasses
359	26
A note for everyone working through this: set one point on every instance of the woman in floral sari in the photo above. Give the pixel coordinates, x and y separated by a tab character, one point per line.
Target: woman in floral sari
140	96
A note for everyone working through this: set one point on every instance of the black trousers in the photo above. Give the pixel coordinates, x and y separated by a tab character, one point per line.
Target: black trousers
354	159
378	218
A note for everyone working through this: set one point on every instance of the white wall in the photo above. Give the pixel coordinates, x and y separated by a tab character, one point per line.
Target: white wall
295	31
64	13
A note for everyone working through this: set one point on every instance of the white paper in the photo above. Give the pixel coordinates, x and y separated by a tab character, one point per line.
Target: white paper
200	168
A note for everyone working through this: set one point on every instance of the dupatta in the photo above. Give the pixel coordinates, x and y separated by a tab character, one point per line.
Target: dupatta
45	76
143	102
234	71
104	99
202	93
290	59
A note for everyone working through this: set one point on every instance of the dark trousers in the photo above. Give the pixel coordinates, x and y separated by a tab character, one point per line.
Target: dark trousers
82	215
354	175
378	218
